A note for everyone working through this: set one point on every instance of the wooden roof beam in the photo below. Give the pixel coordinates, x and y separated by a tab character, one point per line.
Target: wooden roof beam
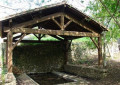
68	23
79	23
55	32
62	24
56	22
35	41
18	41
37	20
94	42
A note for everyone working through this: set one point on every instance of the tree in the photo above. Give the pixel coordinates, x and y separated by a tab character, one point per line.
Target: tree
108	13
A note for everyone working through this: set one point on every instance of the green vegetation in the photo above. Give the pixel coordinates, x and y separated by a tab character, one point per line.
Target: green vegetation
107	13
49	38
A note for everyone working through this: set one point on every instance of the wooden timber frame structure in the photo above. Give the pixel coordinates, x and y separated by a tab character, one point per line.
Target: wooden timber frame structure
61	21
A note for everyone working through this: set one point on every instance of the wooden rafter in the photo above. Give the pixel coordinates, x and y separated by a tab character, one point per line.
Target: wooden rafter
53	16
62	24
55	32
18	41
79	23
56	22
94	42
100	61
67	24
34	21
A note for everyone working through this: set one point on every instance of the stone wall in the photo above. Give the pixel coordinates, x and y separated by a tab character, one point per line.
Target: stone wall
85	71
39	58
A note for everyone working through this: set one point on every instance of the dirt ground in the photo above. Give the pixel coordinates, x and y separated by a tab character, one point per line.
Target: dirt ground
113	77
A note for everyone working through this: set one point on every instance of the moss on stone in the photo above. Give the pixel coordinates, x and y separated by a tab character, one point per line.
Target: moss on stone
39	58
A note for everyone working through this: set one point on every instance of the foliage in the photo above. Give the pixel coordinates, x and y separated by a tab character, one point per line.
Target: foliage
100	11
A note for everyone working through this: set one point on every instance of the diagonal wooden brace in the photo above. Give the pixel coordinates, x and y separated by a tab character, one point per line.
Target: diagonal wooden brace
18	41
94	42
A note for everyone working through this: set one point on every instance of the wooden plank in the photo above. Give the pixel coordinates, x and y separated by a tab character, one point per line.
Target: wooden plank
9	50
100	51
79	23
18	41
94	42
55	32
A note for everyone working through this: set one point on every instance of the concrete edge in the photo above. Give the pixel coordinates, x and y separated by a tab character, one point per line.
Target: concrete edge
9	79
76	80
85	71
25	79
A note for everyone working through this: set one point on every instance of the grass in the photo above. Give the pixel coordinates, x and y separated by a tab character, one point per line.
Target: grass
49	38
81	39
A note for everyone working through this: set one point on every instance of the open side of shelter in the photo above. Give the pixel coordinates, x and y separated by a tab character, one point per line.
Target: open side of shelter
60	21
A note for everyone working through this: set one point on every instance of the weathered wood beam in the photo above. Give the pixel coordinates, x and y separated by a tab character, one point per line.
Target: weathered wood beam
9	48
9	51
56	22
70	37
62	22
68	23
79	23
35	21
94	42
55	32
100	61
18	41
36	41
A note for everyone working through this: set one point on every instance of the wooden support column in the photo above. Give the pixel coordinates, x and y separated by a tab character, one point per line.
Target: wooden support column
94	42
9	51
67	48
62	22
100	50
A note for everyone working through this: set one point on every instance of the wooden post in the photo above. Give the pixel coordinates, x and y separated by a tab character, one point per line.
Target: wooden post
62	22
100	51
9	47
67	48
9	51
